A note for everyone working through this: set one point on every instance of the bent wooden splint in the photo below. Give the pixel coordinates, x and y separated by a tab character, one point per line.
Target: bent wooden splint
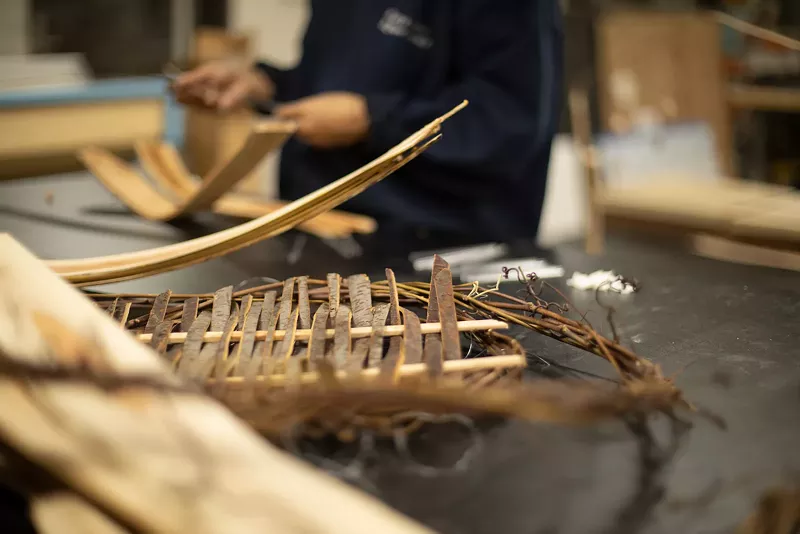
125	446
132	265
140	196
165	167
264	137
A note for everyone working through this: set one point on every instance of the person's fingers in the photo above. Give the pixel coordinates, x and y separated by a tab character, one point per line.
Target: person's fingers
234	95
196	76
292	110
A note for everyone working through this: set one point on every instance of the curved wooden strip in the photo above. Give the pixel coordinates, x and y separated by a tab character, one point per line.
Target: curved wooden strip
134	265
133	190
164	165
264	137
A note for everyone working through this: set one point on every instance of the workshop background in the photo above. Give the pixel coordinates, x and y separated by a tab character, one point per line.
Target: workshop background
717	102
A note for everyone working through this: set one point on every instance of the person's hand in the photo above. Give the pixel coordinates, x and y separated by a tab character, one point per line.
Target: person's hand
223	85
328	120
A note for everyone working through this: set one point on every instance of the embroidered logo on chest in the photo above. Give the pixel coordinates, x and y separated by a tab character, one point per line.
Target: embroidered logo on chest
398	24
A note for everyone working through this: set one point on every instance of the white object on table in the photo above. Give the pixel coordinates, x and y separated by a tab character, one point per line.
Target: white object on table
602	280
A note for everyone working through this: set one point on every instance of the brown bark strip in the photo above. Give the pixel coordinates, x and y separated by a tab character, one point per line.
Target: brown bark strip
267	310
395	353
286	304
394	305
244	352
160	338
341	337
220	361
302	302
193	344
360	292
316	345
263	357
221	309
360	299
189	313
287	345
157	312
412	337
433	342
379	315
451	340
334	293
398	353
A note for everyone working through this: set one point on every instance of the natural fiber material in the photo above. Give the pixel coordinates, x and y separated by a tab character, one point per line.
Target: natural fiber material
103	270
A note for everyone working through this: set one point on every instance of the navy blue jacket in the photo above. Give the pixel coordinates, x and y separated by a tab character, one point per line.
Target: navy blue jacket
414	60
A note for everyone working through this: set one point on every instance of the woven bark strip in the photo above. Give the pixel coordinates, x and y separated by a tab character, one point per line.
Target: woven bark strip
432	352
189	313
379	315
264	359
341	337
220	364
244	351
221	309
286	304
334	290
412	338
161	336
394	356
302	302
286	346
361	307
316	345
451	341
194	343
157	312
265	323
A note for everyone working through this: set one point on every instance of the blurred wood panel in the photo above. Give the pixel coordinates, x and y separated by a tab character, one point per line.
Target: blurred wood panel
41	139
663	66
764	98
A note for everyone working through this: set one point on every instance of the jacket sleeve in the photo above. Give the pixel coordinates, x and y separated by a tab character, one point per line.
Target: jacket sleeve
507	62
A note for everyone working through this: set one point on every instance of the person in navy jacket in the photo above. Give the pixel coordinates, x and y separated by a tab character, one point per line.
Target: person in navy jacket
374	71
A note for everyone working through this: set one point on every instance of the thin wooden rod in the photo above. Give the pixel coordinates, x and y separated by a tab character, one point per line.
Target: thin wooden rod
471	365
355	333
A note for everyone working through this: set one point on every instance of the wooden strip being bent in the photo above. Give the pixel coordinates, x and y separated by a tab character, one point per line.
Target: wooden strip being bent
264	137
132	265
146	458
163	163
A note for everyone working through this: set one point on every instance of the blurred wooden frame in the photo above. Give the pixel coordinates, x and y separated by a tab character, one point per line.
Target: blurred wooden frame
726	209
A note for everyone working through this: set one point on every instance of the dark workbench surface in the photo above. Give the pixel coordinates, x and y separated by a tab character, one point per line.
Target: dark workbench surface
728	334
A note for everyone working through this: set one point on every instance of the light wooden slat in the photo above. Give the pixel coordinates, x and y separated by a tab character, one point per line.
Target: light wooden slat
470	365
356	333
